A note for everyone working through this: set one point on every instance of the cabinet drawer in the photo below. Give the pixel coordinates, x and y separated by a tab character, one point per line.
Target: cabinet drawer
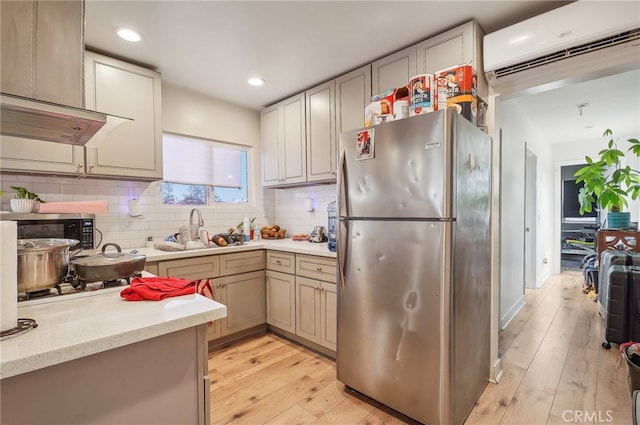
281	261
316	267
191	268
242	262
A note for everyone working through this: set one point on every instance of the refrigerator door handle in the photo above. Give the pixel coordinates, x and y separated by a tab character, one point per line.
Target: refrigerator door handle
343	247
342	207
340	183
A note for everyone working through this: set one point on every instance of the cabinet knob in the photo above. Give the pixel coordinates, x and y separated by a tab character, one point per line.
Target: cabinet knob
79	167
91	167
318	269
278	262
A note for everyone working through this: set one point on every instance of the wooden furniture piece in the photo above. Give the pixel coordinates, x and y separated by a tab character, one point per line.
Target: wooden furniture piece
625	239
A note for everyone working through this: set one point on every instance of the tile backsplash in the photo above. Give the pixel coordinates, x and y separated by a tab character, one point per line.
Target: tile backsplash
285	207
291	207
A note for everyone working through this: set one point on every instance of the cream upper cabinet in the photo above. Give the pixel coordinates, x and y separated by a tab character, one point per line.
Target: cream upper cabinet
42	43
353	94
134	148
18	154
321	132
393	71
284	156
454	47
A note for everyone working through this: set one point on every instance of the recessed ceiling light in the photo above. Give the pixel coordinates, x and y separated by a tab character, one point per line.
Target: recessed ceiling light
256	81
129	35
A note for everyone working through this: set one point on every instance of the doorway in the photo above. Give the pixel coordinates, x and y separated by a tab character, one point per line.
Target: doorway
530	218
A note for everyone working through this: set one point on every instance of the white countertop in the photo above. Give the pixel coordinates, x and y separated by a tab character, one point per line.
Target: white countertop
78	326
287	244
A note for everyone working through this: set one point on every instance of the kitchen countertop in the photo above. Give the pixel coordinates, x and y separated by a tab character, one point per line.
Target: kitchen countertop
287	244
74	327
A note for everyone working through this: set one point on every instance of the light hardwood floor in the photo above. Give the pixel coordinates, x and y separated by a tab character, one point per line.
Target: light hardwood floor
555	372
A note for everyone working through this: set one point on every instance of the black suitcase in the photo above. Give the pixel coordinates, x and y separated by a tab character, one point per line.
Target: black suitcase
612	257
619	301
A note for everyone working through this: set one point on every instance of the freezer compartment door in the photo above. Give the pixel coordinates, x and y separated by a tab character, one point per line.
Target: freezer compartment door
393	330
409	174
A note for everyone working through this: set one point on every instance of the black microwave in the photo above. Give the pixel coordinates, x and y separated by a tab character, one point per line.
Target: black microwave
66	226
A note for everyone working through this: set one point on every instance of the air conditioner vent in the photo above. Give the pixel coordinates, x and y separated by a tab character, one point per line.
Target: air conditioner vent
603	43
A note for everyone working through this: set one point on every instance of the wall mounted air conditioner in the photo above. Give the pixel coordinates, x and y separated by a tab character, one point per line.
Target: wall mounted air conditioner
585	37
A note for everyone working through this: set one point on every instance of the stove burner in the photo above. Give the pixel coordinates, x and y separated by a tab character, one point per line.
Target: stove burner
23	326
39	293
115	282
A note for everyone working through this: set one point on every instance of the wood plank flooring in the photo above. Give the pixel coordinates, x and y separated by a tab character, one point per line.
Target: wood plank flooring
555	372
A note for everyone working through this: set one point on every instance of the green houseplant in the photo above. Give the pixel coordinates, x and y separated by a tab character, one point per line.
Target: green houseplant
23	200
608	184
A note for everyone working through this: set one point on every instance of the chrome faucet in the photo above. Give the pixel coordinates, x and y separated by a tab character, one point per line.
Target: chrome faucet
200	220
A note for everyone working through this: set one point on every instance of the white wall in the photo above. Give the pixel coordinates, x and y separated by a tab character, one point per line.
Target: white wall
516	131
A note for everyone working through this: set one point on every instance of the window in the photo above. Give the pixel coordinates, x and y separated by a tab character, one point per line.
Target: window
203	172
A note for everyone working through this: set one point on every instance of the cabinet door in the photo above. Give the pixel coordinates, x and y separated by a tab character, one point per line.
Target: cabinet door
41	48
293	153
321	132
191	268
279	261
242	262
214	329
245	298
59	51
316	267
37	156
134	148
328	315
270	133
281	301
454	47
308	309
393	71
353	94
16	47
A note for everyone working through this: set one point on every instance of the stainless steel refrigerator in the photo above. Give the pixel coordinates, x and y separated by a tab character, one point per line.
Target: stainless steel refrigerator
414	265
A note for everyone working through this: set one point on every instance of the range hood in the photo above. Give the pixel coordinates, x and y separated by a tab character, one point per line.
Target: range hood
52	122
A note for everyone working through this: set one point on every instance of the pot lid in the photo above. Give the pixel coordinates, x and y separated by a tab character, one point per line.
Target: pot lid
44	244
109	258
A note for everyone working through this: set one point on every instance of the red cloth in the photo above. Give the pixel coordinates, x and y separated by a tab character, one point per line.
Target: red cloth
157	288
204	288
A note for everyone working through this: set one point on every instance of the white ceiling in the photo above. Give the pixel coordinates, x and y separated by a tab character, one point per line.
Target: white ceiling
213	47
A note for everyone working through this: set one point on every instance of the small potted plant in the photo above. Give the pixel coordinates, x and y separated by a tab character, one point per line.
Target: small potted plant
252	226
23	201
608	184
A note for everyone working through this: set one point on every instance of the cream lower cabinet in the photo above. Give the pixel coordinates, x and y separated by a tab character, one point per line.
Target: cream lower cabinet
194	269
316	300
237	280
281	290
245	297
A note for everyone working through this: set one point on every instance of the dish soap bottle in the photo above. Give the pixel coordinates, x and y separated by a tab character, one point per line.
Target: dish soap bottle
246	228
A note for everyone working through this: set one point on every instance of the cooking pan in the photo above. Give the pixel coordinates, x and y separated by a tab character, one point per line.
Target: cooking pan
42	263
109	266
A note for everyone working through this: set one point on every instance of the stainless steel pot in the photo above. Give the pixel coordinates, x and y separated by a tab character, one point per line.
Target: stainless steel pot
42	263
109	266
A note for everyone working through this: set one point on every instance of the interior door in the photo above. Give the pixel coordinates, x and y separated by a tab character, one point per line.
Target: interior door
530	257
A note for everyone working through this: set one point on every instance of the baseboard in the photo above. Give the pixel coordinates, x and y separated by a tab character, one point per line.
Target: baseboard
496	372
508	317
543	279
